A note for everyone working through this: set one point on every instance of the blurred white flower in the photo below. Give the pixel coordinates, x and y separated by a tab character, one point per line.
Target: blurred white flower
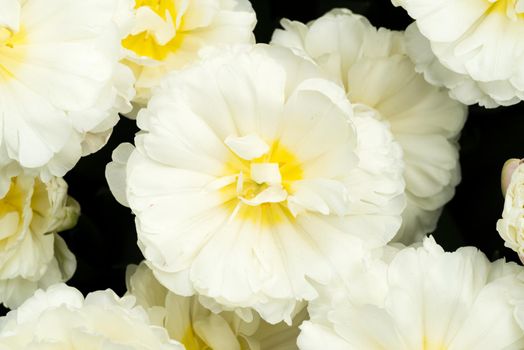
373	67
472	47
32	255
61	86
421	298
196	327
511	226
168	34
60	318
253	176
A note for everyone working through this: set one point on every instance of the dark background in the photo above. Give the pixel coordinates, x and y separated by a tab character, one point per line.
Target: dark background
104	240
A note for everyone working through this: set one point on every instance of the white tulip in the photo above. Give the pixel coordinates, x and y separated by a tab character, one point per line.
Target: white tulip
472	47
61	83
167	35
253	176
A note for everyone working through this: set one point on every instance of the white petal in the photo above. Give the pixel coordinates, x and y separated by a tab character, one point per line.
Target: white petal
247	147
10	15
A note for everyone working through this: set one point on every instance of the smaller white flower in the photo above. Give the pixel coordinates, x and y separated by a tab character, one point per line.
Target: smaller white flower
32	255
511	226
60	318
167	35
421	298
196	327
472	47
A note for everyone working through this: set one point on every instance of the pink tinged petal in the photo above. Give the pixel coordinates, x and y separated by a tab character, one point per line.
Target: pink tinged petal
507	171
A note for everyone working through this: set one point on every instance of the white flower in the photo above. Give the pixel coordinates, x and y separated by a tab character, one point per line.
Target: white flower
253	176
196	327
32	255
511	226
60	318
423	298
372	66
472	47
61	83
168	34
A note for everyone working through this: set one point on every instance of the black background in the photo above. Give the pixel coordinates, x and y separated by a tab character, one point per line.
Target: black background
104	241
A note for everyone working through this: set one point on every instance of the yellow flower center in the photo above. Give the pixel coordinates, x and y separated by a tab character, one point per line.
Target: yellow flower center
191	341
513	9
12	208
261	178
11	54
161	40
13	200
5	43
429	345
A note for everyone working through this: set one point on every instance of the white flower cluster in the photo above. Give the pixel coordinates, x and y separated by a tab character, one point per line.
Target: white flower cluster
282	192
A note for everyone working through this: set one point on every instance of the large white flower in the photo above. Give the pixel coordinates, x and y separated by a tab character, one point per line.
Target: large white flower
61	83
423	298
372	66
253	176
32	255
473	47
60	318
511	226
168	34
196	327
